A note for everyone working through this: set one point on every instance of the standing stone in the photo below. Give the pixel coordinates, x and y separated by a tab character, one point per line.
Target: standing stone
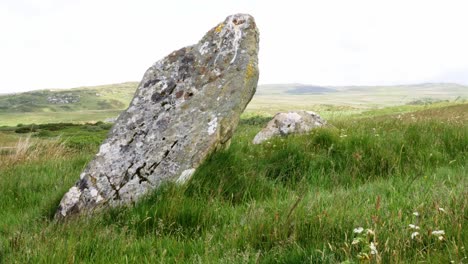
187	105
283	124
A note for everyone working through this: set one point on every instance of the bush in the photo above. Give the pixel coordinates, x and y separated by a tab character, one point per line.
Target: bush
56	126
25	129
82	142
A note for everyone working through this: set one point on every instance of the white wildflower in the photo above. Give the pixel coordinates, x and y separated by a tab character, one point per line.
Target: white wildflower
438	232
441	238
414	234
441	209
416	213
413	226
373	249
358	230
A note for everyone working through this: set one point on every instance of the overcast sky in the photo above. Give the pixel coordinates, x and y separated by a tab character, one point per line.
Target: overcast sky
69	43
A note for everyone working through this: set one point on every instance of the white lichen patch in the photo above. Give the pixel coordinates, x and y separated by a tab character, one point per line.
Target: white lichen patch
235	25
204	48
70	199
163	85
185	176
93	192
212	125
105	148
95	195
237	37
99	199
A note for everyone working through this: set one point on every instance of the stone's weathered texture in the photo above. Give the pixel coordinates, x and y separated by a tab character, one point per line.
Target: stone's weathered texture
187	105
289	123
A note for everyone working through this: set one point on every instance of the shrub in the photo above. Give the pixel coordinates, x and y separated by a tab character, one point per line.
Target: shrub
25	129
56	126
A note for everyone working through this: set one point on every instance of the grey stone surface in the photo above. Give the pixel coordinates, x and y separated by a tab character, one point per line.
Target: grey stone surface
186	106
294	122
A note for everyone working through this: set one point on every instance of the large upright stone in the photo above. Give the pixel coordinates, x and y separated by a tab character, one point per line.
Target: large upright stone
187	105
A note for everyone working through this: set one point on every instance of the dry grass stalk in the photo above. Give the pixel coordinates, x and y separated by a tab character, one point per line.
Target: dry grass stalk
27	150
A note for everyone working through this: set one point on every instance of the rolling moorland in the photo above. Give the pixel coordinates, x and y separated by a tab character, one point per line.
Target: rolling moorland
92	104
385	182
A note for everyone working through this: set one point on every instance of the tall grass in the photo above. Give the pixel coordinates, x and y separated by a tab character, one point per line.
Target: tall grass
27	150
290	200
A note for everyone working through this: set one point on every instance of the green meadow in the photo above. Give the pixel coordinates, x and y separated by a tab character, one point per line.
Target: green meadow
377	185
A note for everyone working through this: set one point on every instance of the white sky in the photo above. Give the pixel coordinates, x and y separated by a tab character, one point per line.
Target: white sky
69	43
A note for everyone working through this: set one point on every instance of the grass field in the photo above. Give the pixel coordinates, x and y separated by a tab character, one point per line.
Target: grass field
399	173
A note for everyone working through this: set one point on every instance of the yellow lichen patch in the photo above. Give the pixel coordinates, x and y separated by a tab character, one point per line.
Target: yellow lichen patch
250	71
219	27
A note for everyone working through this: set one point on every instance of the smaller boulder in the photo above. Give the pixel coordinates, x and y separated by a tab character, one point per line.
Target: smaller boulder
282	124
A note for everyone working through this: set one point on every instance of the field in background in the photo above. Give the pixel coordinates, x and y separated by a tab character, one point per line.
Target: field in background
101	102
383	185
84	104
271	99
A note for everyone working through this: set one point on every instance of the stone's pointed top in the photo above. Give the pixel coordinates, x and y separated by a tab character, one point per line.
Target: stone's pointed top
240	19
187	105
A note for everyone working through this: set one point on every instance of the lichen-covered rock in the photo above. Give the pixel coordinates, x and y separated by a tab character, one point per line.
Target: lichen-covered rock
187	105
282	124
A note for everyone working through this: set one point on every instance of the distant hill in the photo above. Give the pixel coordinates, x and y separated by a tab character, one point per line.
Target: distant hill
104	97
87	104
295	88
118	96
309	89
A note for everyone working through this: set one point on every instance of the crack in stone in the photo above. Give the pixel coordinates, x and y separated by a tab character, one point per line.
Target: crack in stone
139	174
153	166
117	195
142	176
151	82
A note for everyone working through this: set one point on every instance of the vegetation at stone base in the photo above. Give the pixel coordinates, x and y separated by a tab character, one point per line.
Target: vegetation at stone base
291	200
